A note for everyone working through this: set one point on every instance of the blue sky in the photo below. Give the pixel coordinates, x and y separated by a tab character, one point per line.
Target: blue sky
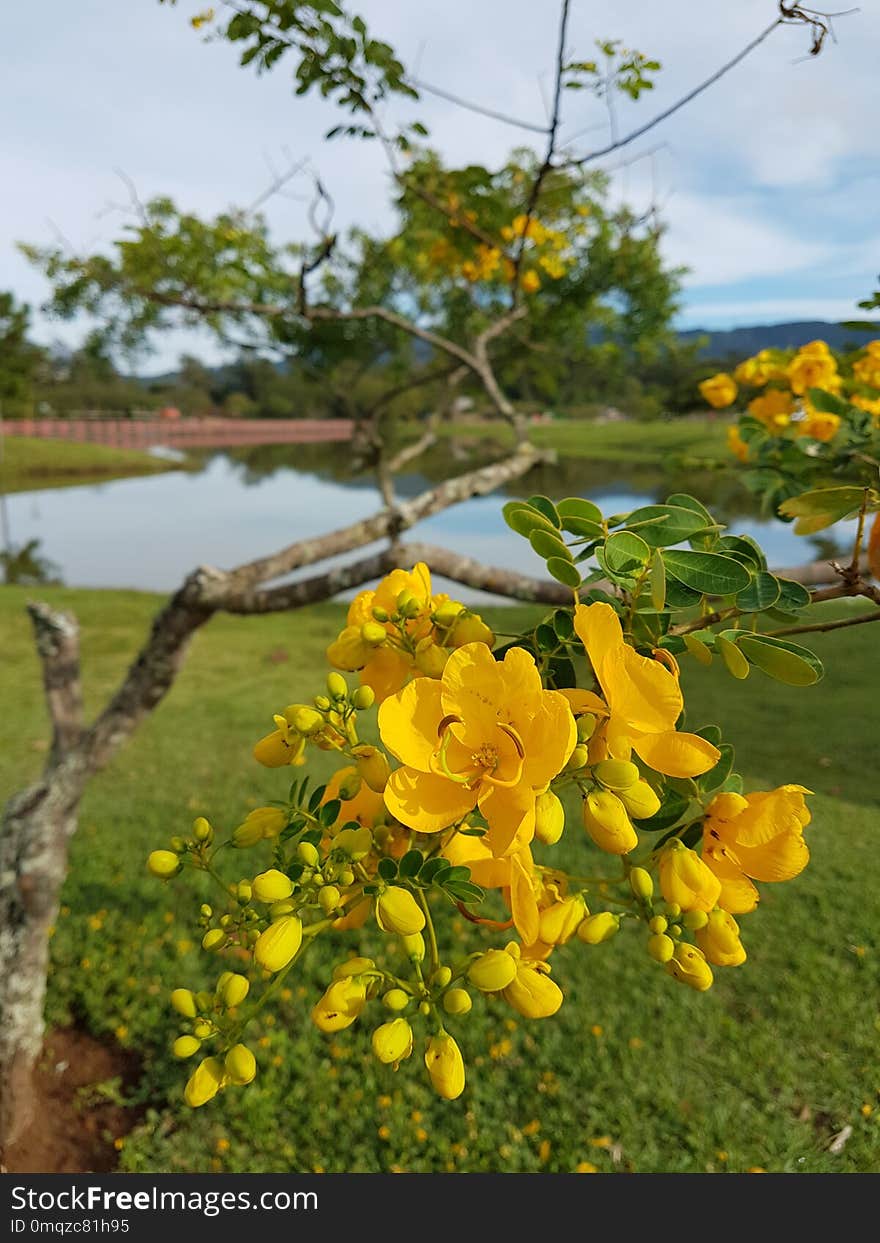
768	182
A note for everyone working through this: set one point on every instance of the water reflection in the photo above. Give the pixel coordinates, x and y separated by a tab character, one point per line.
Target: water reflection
241	503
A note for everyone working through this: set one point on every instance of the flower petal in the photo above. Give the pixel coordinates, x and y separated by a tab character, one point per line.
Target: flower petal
386	671
523	905
549	739
425	802
486	870
676	754
510	812
409	721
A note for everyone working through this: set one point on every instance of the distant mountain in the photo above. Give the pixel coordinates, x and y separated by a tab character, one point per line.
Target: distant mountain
743	342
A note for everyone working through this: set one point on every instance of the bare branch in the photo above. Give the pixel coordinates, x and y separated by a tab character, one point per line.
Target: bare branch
499	582
421	85
57	640
832	625
315	589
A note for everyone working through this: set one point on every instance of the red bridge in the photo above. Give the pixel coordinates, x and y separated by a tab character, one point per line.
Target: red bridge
140	433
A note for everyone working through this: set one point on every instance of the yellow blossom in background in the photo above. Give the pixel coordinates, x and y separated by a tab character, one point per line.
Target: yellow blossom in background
531	282
719	390
813	367
774	408
736	444
819	425
486	734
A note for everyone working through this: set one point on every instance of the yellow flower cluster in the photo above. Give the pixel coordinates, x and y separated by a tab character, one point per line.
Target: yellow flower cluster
785	407
472	776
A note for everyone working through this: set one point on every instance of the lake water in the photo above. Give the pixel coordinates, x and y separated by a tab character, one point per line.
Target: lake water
150	532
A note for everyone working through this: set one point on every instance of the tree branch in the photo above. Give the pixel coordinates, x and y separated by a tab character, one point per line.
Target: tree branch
832	625
500	582
57	640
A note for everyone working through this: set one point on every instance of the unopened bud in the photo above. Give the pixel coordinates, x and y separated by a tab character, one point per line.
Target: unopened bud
202	830
641	884
337	685
364	697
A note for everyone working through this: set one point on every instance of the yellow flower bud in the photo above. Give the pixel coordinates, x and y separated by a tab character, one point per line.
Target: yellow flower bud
163	863
337	685
340	1005
661	947
445	1067
719	940
549	818
240	1064
607	823
393	1041
356	843
204	1000
204	1083
695	920
178	845
616	775
398	911
641	884
213	939
202	830
431	659
441	977
234	990
457	1001
686	880
184	1002
586	727
640	800
277	749
373	767
203	1029
414	946
532	993
279	943
395	999
689	966
470	628
306	721
492	971
560	921
364	697
277	909
658	924
328	899
186	1046
373	634
598	928
447	612
578	758
272	886
352	966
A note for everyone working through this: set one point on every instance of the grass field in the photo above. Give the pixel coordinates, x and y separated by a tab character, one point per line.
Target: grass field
634	1073
29	463
635	442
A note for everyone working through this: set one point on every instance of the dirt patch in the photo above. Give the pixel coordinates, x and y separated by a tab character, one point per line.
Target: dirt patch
81	1086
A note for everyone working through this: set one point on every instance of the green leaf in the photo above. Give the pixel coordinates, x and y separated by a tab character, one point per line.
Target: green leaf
387	869
626	553
698	649
792	596
583	528
680	597
547	545
822	507
464	891
433	869
662	525
671	811
717	775
577	507
410	863
709	573
828	403
744	547
545	636
787	662
681	500
761	593
712	733
564	572
523	519
563	624
545	506
734	660
329	813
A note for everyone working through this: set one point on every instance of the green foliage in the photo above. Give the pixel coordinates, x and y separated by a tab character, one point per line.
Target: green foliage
19	360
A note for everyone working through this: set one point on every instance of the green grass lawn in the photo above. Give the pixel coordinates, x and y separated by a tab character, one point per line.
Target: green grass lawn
634	1073
29	462
633	442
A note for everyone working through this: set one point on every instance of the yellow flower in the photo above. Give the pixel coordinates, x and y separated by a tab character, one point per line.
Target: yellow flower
492	971
531	992
689	966
373	766
643	699
445	1066
393	1041
867	369
262	822
398	911
531	282
686	879
719	390
756	837
549	818
719	940
818	425
364	806
272	886
608	824
279	943
773	408
870	404
240	1064
513	873
205	1082
487	734
283	746
559	921
813	367
737	445
340	1005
